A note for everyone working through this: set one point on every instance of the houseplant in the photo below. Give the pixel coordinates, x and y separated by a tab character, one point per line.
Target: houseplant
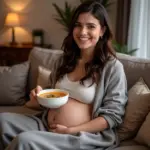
64	15
122	48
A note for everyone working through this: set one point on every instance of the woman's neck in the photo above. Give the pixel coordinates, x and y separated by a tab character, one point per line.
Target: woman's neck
86	56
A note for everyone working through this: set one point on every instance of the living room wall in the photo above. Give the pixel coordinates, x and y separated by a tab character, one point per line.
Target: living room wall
39	14
1	15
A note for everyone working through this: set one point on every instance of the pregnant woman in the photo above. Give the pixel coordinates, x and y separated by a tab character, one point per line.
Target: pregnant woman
90	71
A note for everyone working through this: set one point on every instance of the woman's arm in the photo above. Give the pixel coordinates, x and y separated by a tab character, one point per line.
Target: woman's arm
33	103
115	96
109	115
96	125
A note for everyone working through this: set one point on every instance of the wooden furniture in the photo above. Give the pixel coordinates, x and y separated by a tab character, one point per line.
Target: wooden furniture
14	54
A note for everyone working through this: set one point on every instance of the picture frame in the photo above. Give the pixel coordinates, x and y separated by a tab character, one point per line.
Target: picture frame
38	37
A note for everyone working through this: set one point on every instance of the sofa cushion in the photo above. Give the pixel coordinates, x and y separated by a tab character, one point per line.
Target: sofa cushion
43	76
130	142
134	147
13	82
41	57
18	109
143	135
138	106
135	68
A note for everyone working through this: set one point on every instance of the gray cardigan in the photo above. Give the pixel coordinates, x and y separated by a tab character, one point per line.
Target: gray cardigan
110	100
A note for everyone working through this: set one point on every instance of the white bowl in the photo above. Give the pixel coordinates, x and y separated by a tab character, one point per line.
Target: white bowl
52	102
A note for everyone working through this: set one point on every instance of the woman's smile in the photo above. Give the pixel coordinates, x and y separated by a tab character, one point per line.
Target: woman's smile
83	40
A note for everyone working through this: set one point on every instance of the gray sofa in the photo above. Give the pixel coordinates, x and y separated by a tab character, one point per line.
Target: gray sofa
134	69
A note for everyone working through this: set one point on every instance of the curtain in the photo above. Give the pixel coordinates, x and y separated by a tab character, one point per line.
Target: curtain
122	21
139	28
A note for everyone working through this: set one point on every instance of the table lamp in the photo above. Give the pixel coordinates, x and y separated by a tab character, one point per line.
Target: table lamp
12	20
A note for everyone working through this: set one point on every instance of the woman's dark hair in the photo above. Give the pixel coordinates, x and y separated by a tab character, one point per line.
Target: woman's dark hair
103	50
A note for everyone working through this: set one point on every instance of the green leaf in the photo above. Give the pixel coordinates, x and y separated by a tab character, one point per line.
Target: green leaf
64	16
122	48
132	51
106	3
59	11
60	21
68	12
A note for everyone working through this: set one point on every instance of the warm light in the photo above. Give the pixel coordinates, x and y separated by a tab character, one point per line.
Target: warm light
12	19
22	35
17	5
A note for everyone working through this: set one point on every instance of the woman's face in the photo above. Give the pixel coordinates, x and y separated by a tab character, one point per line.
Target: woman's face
87	31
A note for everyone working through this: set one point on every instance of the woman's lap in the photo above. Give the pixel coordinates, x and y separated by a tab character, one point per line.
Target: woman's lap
12	124
29	132
44	140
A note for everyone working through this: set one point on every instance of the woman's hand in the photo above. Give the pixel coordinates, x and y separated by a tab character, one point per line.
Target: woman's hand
33	96
57	128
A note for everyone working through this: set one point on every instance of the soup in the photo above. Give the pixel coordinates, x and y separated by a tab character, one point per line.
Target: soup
52	95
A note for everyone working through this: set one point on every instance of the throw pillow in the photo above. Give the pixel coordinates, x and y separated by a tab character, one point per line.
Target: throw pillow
13	84
43	76
42	80
41	57
143	135
138	106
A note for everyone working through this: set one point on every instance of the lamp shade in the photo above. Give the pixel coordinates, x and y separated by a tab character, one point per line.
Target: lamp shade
12	19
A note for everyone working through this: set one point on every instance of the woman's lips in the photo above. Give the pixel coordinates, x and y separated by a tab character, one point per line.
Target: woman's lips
83	39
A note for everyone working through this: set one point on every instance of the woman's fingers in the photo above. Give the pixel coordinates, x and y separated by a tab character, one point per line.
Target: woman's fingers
53	126
35	91
32	94
38	89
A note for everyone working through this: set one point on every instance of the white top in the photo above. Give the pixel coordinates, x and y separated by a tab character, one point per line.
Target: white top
77	91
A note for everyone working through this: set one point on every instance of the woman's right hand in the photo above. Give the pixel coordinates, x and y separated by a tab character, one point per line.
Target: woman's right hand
33	96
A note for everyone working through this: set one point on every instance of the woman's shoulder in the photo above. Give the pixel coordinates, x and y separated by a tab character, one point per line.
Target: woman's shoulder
113	63
113	67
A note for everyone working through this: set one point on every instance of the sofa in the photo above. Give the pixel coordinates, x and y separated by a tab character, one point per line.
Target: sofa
17	81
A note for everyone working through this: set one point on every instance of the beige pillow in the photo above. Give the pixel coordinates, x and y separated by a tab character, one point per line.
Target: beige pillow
143	135
13	82
44	57
138	106
43	76
42	80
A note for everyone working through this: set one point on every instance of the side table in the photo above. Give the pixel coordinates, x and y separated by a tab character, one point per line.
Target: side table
14	54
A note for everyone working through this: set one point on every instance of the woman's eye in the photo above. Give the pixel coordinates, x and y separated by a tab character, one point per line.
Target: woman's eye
91	27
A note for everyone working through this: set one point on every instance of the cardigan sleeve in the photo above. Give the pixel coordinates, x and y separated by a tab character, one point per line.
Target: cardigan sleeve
115	95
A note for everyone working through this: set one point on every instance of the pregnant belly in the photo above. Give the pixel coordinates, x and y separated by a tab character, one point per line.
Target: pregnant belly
71	114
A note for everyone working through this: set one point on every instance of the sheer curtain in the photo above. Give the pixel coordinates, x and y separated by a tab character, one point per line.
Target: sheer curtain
139	28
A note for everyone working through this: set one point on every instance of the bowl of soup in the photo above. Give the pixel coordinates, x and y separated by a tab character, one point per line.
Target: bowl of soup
52	98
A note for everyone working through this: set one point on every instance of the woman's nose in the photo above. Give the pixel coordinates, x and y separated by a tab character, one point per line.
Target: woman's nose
83	30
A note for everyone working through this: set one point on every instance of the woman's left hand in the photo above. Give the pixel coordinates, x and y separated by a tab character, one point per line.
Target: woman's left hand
57	128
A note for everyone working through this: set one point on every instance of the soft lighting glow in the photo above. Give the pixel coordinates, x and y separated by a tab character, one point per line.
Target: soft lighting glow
22	35
17	5
12	19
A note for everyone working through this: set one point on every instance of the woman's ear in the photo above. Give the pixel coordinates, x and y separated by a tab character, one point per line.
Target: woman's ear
103	29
